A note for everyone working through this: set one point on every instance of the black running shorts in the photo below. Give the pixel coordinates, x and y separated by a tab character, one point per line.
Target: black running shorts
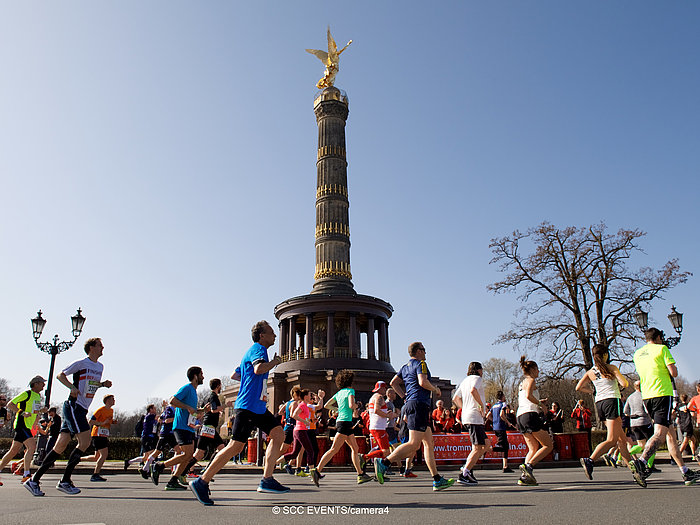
344	428
417	415
289	435
165	442
659	410
245	421
74	418
100	442
608	409
184	437
644	432
477	434
209	443
21	434
530	422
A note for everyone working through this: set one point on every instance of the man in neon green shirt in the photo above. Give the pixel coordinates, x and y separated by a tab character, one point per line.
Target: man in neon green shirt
26	406
656	368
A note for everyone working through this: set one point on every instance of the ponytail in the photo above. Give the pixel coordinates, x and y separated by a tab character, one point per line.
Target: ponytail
601	356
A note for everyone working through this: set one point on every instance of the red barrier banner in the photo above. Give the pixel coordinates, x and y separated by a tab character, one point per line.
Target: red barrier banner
456	447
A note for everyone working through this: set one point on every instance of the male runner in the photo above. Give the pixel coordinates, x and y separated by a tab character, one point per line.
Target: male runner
655	366
251	412
497	415
470	397
26	406
101	422
378	414
641	424
391	427
87	379
186	414
209	438
415	377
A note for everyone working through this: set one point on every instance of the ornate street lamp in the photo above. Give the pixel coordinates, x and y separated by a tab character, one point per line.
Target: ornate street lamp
676	318
55	348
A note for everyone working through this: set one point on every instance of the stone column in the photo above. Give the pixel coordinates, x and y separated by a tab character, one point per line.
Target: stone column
293	336
382	340
332	274
284	338
370	338
353	339
330	335
309	346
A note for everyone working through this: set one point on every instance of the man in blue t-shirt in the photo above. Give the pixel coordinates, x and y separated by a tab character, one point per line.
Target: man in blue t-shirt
250	412
497	415
415	378
186	414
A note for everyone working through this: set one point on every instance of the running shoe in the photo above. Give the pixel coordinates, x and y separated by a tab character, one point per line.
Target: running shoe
388	472
156	470
288	469
409	474
126	465
201	491
363	463
315	476
24	479
33	487
272	486
654	470
173	484
193	475
443	483
466	480
145	474
526	481
182	480
301	474
587	464
97	477
508	470
637	475
67	487
527	472
691	476
379	470
643	468
363	478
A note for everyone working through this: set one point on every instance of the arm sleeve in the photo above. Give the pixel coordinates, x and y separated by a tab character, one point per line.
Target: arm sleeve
72	368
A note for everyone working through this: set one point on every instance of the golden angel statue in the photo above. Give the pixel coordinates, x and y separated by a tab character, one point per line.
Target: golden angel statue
330	60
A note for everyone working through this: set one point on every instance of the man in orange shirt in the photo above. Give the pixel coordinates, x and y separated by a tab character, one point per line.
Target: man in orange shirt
101	420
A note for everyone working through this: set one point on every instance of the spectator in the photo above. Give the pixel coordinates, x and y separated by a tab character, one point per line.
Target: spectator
694	405
447	421
584	423
556	419
437	415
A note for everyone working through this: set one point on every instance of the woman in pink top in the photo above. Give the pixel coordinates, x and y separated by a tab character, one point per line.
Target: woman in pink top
300	412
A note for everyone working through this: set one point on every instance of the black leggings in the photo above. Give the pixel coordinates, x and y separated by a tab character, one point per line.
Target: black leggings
302	439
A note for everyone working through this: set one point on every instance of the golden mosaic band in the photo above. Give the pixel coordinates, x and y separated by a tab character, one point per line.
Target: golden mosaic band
332	228
333	269
331	189
325	151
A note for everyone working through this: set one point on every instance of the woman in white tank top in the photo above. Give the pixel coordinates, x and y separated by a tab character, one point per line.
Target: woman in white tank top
538	441
604	380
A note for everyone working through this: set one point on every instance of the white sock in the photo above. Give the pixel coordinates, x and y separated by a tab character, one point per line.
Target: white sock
26	473
684	469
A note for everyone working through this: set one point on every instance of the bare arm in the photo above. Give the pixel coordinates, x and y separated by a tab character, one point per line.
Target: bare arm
673	370
424	383
620	378
529	389
179	404
584	384
263	367
396	385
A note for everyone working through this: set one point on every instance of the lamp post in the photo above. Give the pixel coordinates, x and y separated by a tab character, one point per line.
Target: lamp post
676	319
56	347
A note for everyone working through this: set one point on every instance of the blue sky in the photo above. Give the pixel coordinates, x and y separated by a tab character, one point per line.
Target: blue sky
158	166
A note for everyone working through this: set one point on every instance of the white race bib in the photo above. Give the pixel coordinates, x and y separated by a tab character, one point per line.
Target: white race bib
192	421
102	431
91	388
2	421
36	407
208	431
155	428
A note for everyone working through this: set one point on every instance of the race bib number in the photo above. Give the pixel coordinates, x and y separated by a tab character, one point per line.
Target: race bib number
103	432
155	428
2	421
208	431
92	387
192	421
263	394
36	407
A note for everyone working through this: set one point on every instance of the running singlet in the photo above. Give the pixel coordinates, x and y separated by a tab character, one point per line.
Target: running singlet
654	378
524	404
303	414
183	421
341	398
605	388
376	422
252	394
166	428
27	401
101	415
409	375
498	423
87	377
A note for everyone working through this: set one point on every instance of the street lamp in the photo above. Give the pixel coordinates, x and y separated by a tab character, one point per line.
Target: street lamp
676	319
55	348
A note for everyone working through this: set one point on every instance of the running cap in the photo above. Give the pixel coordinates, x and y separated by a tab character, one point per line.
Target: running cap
36	379
379	386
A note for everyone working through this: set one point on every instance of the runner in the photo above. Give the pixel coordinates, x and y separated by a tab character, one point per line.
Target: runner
685	425
166	439
656	368
470	397
497	415
640	422
186	413
300	412
26	407
251	412
344	399
146	429
101	422
209	438
391	425
539	444
415	377
606	380
289	425
378	420
87	379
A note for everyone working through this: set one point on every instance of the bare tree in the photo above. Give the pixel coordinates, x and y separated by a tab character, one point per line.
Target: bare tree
504	375
577	290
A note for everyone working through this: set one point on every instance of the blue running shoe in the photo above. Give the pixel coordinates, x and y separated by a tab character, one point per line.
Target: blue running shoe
443	483
272	486
201	491
379	470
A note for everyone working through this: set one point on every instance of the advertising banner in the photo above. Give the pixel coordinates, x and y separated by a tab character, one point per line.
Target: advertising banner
456	447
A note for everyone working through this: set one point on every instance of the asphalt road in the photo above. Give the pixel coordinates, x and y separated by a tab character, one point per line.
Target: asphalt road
563	496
